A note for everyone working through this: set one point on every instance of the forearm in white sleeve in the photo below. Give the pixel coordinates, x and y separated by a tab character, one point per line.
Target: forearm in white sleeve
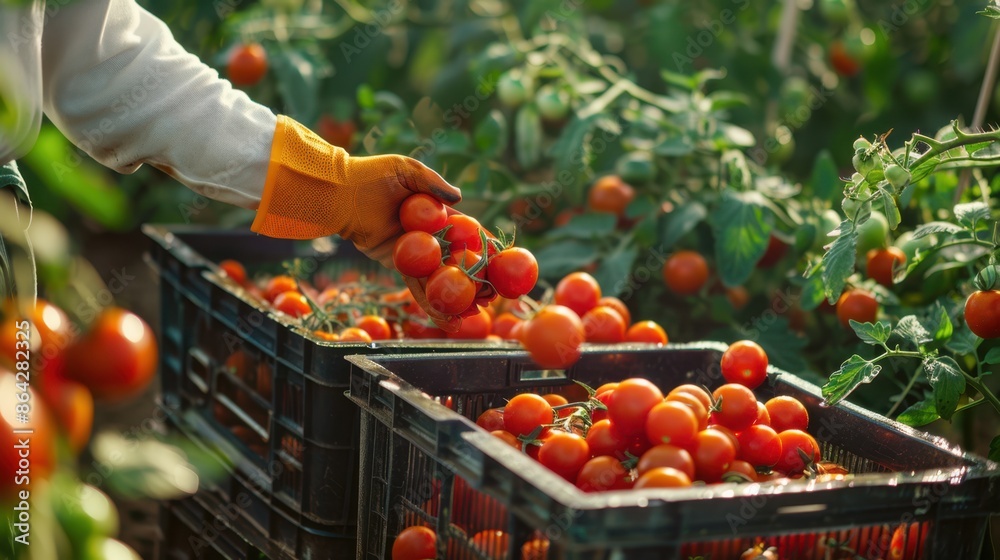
121	88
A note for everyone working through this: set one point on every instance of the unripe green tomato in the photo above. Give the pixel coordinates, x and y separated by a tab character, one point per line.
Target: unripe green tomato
553	102
84	511
851	207
861	145
104	548
805	237
909	245
872	233
636	168
514	88
837	11
865	164
897	176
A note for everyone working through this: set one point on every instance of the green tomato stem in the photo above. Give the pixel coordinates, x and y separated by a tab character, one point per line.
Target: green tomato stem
978	385
906	391
938	147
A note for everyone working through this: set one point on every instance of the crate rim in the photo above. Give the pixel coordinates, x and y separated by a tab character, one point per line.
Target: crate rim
565	493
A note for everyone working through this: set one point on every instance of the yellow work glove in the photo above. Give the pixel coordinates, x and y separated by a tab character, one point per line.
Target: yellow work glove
314	189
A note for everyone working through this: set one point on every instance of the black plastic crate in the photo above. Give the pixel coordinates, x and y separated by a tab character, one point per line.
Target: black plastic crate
425	463
253	379
243	514
192	531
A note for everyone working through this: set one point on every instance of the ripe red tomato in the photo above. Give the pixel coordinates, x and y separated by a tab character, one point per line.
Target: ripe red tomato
292	303
477	327
647	332
907	543
247	64
787	413
564	454
553	337
450	290
326	336
856	304
713	453
738	297
422	212
610	194
759	446
685	272
666	456
842	61
416	254
116	358
740	471
982	313
508	438
73	406
601	474
49	335
776	249
354	334
619	306
699	393
603	325
604	397
630	404
494	544
791	441
234	270
736	407
578	291
673	423
491	420
745	362
662	477
602	439
513	272
882	263
376	327
526	412
464	233
763	418
535	549
728	433
279	285
415	543
41	458
691	401
504	324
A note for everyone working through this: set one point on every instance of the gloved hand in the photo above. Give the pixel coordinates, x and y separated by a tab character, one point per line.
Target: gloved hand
314	189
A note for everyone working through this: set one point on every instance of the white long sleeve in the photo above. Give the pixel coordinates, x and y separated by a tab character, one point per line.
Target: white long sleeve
119	86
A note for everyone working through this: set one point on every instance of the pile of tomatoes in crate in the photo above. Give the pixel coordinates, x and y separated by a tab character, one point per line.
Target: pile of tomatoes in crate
465	271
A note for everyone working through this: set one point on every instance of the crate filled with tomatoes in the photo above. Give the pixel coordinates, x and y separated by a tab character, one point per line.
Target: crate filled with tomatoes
677	452
255	330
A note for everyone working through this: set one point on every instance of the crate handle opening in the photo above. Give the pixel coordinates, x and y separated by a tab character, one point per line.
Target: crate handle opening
540	374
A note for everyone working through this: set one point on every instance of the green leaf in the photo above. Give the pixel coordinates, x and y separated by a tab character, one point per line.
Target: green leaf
561	258
81	182
825	180
528	136
993	356
924	169
948	383
971	212
726	99
586	226
572	153
691	81
491	134
366	97
875	334
936	227
678	223
813	293
920	414
963	341
838	262
944	327
995	450
889	208
297	83
732	136
613	272
853	372
742	230
911	330
675	146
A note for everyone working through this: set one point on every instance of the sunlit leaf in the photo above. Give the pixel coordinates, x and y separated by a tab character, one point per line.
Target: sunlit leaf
853	372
